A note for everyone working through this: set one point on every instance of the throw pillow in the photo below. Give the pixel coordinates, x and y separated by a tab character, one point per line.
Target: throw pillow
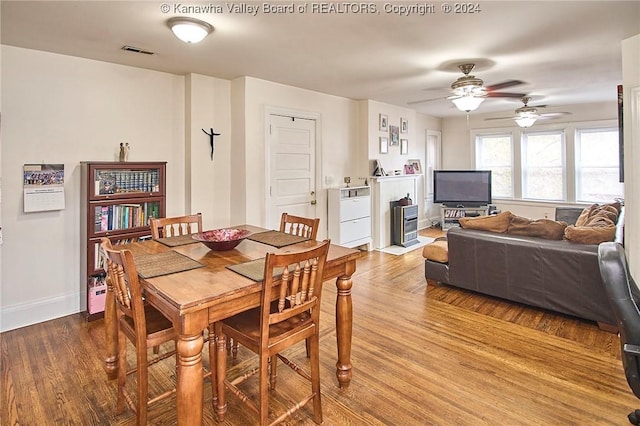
543	228
590	234
494	223
437	251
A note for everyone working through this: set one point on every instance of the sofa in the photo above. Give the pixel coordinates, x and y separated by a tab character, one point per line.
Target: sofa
560	275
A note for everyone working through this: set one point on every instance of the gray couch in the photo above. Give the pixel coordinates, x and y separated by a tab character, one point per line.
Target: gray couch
557	275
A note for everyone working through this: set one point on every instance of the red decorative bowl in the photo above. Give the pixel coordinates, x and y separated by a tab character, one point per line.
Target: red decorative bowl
222	239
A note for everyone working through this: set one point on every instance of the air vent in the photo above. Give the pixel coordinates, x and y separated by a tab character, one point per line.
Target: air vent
137	50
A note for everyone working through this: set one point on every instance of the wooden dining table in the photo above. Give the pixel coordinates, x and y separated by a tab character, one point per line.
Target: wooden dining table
195	298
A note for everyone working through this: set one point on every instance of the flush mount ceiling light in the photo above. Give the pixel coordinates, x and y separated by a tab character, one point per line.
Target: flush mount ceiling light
189	30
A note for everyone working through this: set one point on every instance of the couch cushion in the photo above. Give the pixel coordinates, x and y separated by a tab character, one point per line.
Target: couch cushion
494	223
437	251
590	234
543	228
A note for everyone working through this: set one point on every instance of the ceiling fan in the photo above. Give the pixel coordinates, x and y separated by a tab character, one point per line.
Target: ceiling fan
526	115
469	91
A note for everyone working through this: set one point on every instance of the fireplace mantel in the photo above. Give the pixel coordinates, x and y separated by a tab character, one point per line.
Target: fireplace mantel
385	190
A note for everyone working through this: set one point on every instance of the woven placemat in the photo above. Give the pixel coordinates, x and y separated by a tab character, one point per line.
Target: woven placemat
276	238
253	269
180	240
169	262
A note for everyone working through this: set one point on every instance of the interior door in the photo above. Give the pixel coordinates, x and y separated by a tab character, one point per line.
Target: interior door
292	172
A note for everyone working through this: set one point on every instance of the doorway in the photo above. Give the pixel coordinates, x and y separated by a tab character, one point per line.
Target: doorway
291	168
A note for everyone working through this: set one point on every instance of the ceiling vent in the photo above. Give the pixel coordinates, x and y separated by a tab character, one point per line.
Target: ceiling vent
137	50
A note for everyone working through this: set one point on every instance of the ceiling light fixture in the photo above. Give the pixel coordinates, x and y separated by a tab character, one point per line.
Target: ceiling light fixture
526	115
467	102
189	30
468	90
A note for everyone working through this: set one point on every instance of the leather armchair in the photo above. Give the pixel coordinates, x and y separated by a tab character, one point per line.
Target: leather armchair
624	297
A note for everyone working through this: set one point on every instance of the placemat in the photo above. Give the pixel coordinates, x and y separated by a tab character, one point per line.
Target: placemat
253	269
276	238
169	262
180	240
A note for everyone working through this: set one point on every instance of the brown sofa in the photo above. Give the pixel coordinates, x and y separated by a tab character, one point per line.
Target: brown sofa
558	275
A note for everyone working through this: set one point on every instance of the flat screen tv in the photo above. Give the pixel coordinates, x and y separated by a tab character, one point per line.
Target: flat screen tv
462	188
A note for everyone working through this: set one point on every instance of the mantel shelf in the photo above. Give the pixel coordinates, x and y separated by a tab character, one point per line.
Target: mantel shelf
397	177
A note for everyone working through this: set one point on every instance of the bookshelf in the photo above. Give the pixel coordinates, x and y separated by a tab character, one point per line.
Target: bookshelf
117	200
449	216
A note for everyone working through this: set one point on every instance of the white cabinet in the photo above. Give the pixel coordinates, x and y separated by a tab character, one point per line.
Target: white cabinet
350	216
450	216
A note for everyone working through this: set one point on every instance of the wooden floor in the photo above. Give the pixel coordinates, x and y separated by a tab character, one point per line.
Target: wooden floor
422	355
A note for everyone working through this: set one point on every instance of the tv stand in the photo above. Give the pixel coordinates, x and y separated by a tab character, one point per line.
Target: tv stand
449	216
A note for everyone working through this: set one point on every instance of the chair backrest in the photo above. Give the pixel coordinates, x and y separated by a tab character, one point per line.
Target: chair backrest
299	275
301	226
164	227
624	297
121	271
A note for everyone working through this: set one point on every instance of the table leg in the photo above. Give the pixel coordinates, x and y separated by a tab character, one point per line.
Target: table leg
110	333
344	324
190	379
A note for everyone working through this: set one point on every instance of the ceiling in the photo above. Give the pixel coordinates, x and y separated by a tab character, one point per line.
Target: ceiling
565	52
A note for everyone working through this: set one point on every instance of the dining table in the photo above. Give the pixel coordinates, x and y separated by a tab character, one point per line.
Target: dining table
194	287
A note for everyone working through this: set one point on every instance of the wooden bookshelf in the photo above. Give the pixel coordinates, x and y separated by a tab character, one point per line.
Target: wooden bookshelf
117	200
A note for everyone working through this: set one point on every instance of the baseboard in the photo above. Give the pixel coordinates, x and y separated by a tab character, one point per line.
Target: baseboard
33	312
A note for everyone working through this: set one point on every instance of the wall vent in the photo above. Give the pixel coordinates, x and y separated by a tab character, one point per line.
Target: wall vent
137	50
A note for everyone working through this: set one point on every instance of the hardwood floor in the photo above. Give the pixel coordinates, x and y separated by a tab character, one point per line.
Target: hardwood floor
422	355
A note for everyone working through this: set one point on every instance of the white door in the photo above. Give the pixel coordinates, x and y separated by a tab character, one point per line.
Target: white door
292	186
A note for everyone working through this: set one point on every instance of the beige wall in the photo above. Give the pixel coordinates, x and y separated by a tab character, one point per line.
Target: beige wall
62	109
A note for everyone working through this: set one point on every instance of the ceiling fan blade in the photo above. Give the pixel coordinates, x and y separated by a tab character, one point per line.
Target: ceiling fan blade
425	100
498	118
505	95
504	85
549	115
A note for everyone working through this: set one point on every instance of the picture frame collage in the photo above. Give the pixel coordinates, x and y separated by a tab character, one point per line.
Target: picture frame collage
393	137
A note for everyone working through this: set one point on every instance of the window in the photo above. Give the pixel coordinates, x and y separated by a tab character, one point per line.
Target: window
574	163
597	165
543	166
495	153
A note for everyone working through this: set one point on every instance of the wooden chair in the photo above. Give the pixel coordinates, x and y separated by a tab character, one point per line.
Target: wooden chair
293	316
297	225
144	326
175	226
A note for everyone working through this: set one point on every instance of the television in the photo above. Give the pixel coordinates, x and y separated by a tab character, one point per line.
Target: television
462	188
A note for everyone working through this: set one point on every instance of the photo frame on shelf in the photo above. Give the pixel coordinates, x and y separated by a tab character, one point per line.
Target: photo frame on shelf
404	146
384	123
404	125
394	133
408	169
417	166
384	145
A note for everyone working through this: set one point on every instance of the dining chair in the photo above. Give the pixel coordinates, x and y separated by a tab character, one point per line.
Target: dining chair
164	227
294	282
297	225
145	327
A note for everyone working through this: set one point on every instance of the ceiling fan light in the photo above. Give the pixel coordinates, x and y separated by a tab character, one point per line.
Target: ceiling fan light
467	103
189	30
525	121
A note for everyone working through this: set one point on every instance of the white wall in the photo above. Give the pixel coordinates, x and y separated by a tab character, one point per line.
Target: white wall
208	105
62	109
418	124
340	154
631	86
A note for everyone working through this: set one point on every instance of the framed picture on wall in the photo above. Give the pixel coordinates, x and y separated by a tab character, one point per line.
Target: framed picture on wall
384	123
417	166
394	132
404	125
404	146
384	145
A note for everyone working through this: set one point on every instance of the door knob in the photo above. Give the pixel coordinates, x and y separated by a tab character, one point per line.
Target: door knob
313	202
